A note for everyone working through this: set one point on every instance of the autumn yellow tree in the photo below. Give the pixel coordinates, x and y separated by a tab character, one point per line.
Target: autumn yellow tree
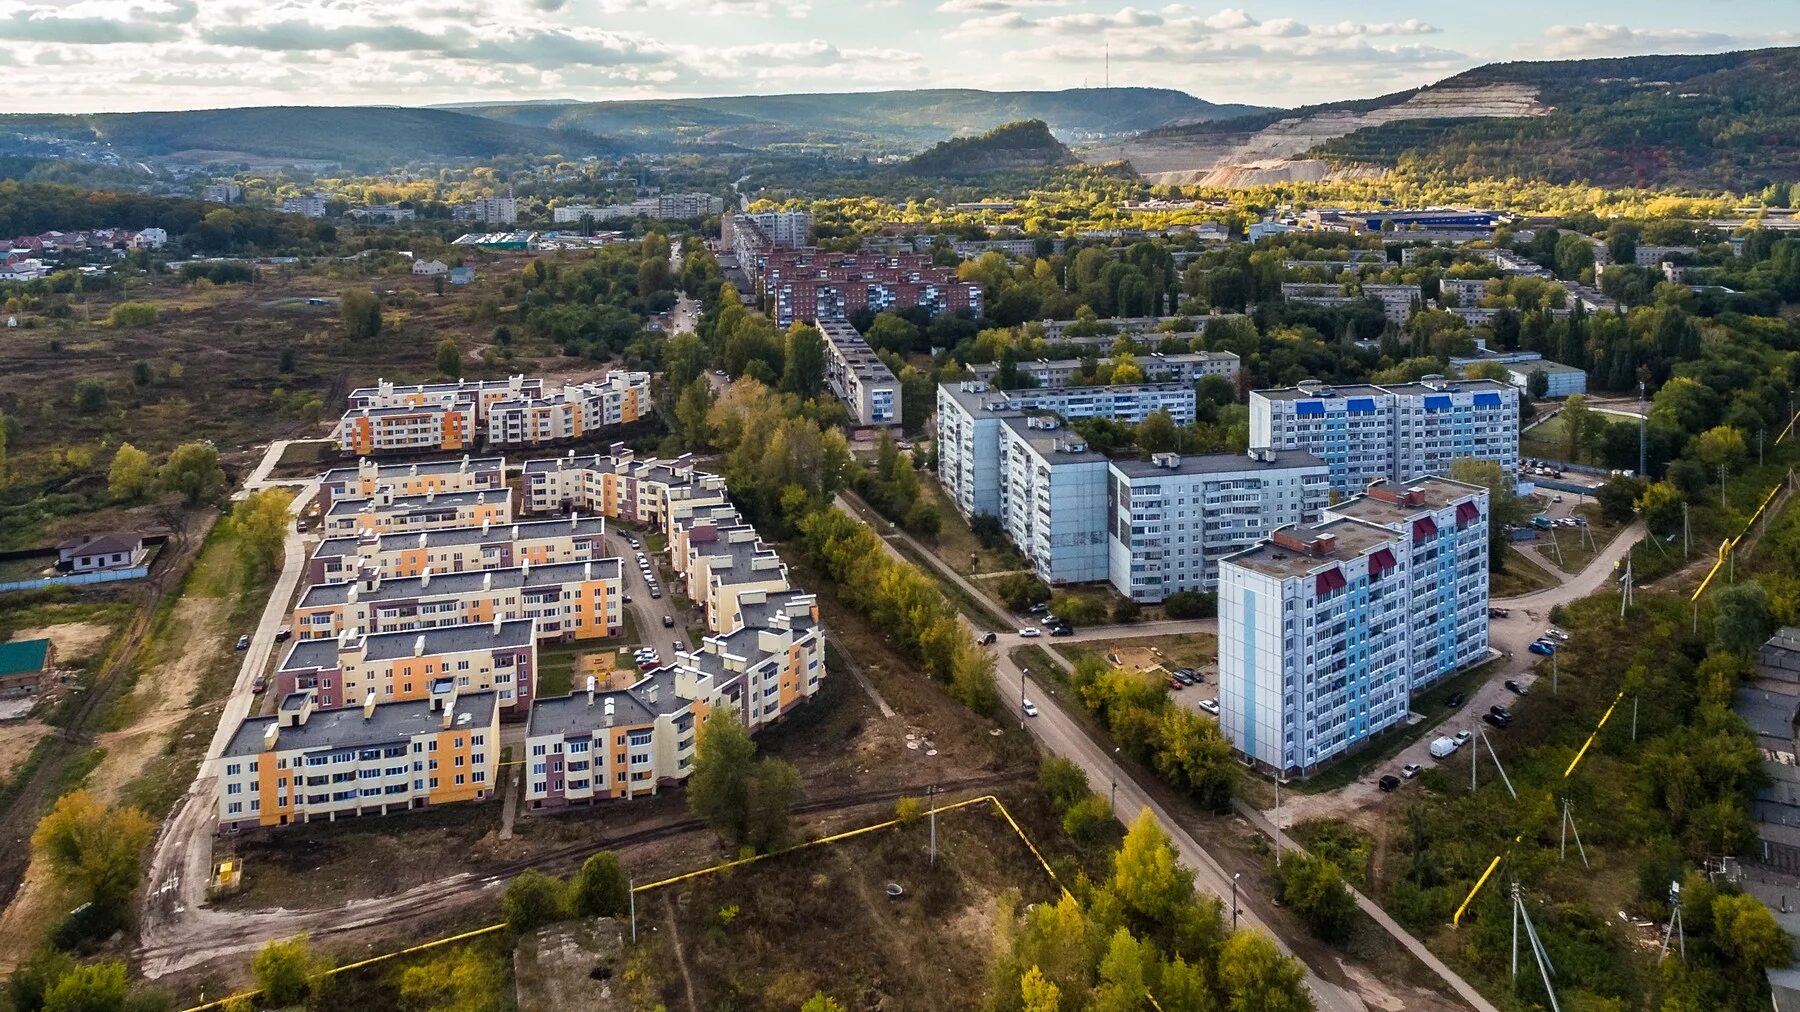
93	849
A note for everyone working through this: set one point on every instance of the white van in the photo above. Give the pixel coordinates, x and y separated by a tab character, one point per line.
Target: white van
1443	747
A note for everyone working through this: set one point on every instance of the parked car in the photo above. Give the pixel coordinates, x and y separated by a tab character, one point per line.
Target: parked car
300	526
259	686
1498	613
244	642
1502	712
1388	783
282	635
1210	706
1184	677
1463	738
1176	683
1411	770
1039	608
987	639
1542	648
1062	630
1454	700
1517	688
668	621
1496	721
1030	631
655	592
1557	633
1030	709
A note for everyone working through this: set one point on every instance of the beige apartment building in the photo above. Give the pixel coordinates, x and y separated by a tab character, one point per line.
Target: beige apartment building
568	601
458	549
386	512
498	656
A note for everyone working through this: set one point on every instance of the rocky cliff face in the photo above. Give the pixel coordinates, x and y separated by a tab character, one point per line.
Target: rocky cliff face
1272	154
1027	144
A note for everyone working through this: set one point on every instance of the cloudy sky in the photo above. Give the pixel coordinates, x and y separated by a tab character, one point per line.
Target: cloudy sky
93	55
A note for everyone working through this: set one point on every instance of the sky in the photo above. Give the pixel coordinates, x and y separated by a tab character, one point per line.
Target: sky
127	55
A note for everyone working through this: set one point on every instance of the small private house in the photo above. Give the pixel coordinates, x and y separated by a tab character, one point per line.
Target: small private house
430	268
93	553
461	275
24	665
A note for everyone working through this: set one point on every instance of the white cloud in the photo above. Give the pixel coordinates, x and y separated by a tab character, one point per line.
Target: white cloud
1596	39
1231	18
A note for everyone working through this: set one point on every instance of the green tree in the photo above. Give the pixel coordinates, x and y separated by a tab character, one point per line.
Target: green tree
1537	384
1182	986
89	987
1063	782
129	476
1573	255
719	788
193	471
1157	433
1741	619
803	361
601	887
1124	970
821	1002
140	373
449	358
773	786
1193	754
259	521
1505	507
533	900
90	396
1581	426
460	980
1618	498
132	315
1145	876
1660	504
1719	446
93	849
1314	888
283	969
1038	994
1256	977
361	313
1748	934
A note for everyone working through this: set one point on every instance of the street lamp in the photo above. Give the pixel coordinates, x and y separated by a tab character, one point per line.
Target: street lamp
1234	902
1114	803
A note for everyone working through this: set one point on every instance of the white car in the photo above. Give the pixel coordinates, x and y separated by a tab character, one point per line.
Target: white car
1029	707
1462	738
1210	706
1030	631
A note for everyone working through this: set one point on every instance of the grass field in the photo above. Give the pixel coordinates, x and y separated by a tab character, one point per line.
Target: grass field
1521	576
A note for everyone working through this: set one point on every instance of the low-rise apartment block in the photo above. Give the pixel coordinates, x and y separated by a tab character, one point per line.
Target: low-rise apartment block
970	415
632	737
498	656
569	601
724	564
464	474
1401	432
308	763
387	513
859	378
1326	629
312	205
458	549
616	484
397	418
1183	367
570	413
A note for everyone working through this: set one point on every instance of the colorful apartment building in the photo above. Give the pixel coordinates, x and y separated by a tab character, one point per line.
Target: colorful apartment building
479	394
500	656
616	484
385	512
458	549
464	474
630	739
307	763
418	428
570	413
721	564
569	601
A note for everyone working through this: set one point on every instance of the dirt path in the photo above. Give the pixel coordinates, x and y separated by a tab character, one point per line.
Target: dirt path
74	641
687	979
160	701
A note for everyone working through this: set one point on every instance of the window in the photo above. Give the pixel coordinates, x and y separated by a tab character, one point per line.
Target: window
537	750
233	769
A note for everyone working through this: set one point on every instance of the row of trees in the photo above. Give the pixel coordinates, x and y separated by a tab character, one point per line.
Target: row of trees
1184	747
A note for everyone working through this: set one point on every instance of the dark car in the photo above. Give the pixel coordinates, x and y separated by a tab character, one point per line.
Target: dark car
1498	722
1517	688
1062	630
281	635
1542	648
1453	700
1388	783
243	642
668	621
1502	712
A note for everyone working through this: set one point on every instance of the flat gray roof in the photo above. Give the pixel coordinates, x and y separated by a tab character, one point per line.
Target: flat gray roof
1297	394
419	467
445	639
596	461
1045	442
1216	463
347	727
442	584
1439	493
441	500
527	530
1769	714
1354	538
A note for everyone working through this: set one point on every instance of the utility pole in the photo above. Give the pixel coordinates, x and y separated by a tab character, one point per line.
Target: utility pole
1568	826
931	816
1675	927
1553	654
1277	822
1234	902
1721	484
1643	417
631	894
1686	551
1759	446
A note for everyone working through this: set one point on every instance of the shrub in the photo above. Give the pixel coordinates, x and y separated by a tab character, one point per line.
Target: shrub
533	900
1191	604
132	314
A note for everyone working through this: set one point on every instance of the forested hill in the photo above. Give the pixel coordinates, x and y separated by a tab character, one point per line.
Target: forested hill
1027	144
1720	121
354	135
898	120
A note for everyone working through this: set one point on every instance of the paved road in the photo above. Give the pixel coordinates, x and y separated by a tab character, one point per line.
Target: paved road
181	864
